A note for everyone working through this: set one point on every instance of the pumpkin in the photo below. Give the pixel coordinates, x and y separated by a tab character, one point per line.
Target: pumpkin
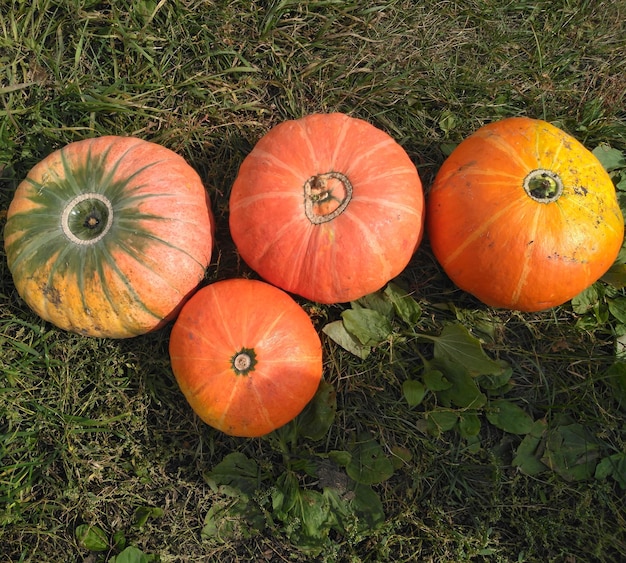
246	356
327	207
108	236
523	216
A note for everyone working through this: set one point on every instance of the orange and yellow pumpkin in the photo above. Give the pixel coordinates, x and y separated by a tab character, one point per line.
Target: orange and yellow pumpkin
523	216
108	236
246	356
328	207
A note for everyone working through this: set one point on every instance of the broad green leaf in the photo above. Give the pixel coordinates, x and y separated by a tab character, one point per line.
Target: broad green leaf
143	513
497	381
617	308
319	415
376	302
238	518
340	457
611	159
370	327
368	507
413	392
91	537
337	332
527	456
509	417
313	511
616	276
369	465
455	343
132	555
585	300
435	380
613	466
405	306
463	391
285	494
469	424
236	474
571	451
119	540
441	421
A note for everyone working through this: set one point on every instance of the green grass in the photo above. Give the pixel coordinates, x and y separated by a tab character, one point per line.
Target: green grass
96	432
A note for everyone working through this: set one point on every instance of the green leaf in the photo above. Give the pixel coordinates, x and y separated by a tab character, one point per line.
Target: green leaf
435	380
571	451
498	381
616	276
234	475
370	327
318	416
509	417
144	512
368	507
455	343
91	537
585	300
313	511
617	308
413	392
285	495
119	540
527	456
440	421
132	555
463	391
469	424
376	302
340	457
611	159
368	464
613	466
337	332
405	306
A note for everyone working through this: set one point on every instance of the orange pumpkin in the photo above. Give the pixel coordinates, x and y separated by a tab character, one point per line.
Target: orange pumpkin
523	216
246	356
328	207
107	237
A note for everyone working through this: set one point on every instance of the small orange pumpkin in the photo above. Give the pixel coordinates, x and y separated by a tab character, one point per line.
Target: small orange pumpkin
328	207
523	216
246	356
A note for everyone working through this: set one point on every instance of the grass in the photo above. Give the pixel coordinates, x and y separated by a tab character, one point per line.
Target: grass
96	432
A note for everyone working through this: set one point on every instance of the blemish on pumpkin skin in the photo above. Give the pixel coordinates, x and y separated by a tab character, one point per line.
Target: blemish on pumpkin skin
52	294
581	190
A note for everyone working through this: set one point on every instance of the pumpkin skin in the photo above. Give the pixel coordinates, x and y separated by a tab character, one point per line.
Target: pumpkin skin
246	356
327	207
107	237
523	216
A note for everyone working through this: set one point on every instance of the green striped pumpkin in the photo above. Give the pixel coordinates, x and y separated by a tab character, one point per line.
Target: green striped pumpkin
107	237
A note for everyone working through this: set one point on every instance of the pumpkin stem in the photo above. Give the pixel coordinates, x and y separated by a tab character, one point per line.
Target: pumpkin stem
326	196
244	361
544	186
87	218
